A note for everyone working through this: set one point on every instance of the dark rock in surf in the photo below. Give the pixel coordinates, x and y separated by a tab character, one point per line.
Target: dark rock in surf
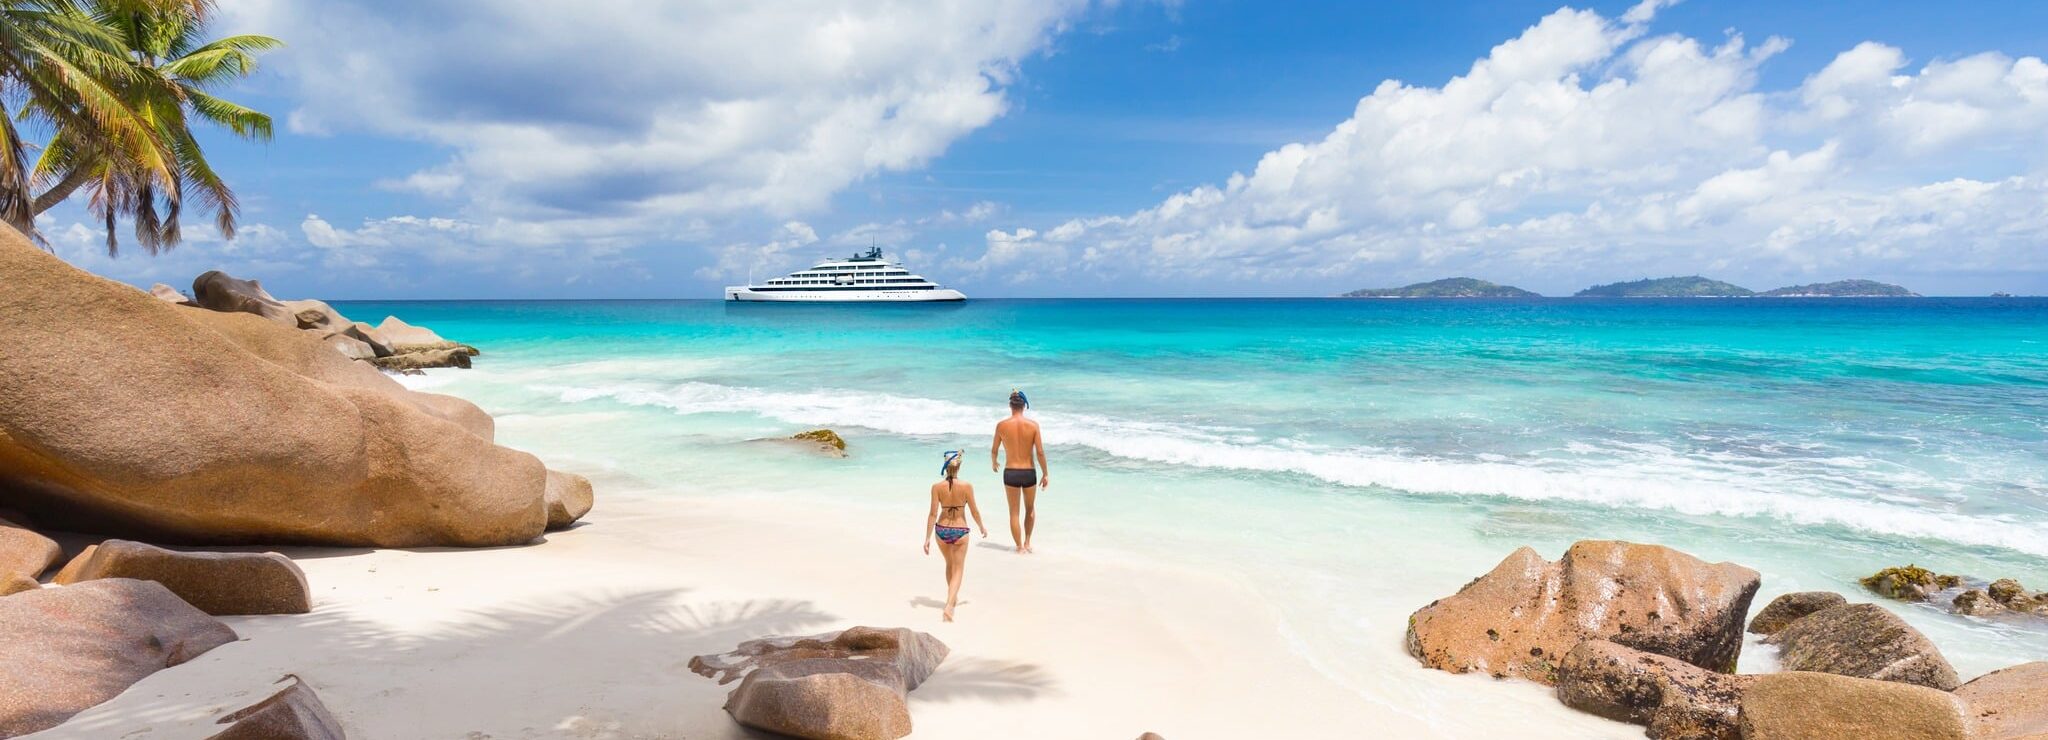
1675	699
1864	641
1784	610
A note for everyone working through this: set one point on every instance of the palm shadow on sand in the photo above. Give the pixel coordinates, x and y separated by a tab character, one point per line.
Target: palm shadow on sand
985	679
571	640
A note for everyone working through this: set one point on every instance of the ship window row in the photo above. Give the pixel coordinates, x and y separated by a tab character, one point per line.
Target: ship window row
780	281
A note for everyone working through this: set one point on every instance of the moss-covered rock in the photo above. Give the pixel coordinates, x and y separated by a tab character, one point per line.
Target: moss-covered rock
825	437
1909	582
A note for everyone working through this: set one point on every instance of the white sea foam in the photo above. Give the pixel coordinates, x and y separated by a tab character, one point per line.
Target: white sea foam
1629	476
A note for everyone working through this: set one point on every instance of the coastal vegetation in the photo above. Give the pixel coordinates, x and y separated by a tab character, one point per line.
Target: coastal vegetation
1691	286
116	85
1842	289
1457	287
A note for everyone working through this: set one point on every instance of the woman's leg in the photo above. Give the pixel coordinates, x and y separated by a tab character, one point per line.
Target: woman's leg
956	566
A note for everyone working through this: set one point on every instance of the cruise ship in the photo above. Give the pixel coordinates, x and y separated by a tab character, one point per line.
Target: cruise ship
865	277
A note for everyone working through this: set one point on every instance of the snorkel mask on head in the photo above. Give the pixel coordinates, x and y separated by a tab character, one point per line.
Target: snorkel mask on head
951	455
1018	395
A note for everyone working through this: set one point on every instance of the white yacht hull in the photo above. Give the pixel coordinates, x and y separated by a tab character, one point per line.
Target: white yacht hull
878	295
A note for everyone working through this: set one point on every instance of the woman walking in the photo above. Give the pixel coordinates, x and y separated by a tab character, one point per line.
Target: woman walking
951	501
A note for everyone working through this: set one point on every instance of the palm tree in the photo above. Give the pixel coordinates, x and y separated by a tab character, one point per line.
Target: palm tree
173	68
68	70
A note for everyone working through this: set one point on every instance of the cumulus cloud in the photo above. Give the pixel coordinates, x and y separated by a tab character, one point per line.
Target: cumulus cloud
646	113
1587	147
741	258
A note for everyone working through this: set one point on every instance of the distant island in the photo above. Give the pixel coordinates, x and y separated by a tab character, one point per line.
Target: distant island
1692	286
1843	289
1459	287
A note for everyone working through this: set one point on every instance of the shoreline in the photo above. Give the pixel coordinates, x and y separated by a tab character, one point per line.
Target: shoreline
588	635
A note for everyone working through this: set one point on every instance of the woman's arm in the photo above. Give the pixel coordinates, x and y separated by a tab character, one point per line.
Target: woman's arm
976	510
931	519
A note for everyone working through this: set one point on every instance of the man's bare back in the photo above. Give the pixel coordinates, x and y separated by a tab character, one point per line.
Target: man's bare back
1019	445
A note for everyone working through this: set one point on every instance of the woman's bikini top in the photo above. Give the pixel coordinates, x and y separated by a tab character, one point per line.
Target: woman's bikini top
960	508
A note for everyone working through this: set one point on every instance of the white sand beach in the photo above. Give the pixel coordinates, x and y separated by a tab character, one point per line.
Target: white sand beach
589	634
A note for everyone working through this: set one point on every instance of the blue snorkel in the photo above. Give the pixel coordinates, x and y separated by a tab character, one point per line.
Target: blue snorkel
951	455
1021	397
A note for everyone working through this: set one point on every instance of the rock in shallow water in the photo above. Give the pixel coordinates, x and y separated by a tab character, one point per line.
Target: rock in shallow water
849	685
1822	706
2009	704
68	649
1909	583
1784	610
1520	618
1864	641
218	583
1676	699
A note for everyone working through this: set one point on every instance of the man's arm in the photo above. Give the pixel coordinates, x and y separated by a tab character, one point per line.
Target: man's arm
1044	471
995	450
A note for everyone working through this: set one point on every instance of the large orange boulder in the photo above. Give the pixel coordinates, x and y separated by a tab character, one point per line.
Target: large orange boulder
2010	703
26	554
1522	617
63	650
219	583
126	415
1799	705
568	498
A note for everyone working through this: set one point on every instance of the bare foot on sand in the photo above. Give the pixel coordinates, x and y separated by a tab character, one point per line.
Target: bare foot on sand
948	616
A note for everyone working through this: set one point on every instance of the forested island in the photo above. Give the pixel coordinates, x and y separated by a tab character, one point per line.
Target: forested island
1843	289
1458	287
1691	286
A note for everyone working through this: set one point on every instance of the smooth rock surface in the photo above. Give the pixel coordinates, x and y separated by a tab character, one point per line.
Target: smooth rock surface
218	583
568	498
1520	618
1863	641
13	584
24	553
128	416
293	713
849	685
218	291
1822	706
67	649
1675	699
1785	609
168	294
403	334
315	315
2009	703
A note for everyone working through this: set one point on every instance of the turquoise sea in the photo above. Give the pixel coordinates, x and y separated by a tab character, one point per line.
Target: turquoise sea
1353	459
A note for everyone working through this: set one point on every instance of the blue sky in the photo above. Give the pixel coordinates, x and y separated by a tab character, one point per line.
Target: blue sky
442	149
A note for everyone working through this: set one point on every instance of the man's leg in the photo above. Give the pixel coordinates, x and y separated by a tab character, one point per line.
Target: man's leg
1030	514
1016	530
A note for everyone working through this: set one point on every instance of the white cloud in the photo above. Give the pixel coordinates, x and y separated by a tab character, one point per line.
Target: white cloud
737	260
1587	148
644	113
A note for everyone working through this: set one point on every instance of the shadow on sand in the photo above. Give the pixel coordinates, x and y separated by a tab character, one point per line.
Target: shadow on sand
984	679
508	660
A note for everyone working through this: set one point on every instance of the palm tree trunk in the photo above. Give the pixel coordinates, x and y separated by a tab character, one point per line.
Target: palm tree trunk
57	193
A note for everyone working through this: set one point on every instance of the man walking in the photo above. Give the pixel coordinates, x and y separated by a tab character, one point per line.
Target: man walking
1019	436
